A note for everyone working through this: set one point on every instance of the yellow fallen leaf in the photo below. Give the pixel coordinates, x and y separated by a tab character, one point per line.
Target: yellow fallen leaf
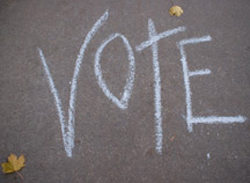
175	10
13	164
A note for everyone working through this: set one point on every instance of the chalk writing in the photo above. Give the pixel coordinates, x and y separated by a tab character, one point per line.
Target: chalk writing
67	128
123	103
187	74
153	40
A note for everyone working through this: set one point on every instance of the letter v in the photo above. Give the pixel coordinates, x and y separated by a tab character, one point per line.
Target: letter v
67	128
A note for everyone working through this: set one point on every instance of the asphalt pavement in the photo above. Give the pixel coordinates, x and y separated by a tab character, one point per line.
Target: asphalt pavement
112	91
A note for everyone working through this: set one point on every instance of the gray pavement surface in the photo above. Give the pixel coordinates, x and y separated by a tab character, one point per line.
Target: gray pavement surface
113	144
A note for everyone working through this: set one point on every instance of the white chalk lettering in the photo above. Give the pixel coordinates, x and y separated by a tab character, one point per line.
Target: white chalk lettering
68	128
187	74
123	102
153	40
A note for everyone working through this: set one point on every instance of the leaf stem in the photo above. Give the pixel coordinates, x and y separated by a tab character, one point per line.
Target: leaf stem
21	177
173	2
